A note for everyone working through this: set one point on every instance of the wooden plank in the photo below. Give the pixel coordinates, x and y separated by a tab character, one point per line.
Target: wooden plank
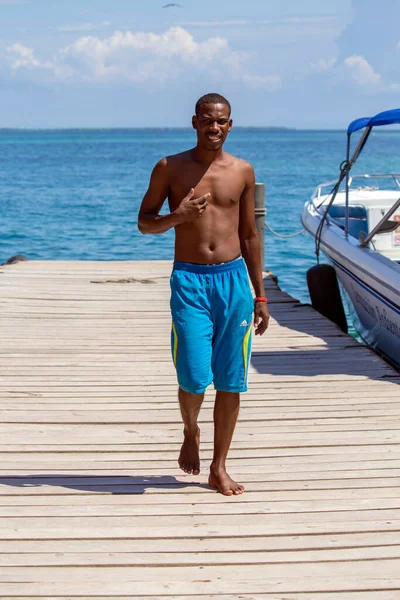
336	420
188	522
170	559
158	452
199	582
367	468
166	484
84	433
364	595
247	507
273	499
272	465
304	573
273	543
154	478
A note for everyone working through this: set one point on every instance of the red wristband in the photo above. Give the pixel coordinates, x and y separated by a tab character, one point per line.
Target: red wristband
260	299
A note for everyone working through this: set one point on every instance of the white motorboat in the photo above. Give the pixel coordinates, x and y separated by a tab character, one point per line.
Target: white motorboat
356	223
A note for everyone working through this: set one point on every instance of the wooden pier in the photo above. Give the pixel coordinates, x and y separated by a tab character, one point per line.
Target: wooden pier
92	502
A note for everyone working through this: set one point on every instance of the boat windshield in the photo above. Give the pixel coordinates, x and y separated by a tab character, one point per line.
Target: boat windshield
387	181
372	216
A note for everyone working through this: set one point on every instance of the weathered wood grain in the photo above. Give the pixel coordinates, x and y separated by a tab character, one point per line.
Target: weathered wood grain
92	502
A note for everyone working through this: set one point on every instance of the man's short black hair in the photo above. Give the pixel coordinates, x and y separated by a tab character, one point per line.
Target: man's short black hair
212	99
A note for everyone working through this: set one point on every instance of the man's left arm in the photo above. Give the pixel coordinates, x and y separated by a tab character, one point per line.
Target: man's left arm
250	247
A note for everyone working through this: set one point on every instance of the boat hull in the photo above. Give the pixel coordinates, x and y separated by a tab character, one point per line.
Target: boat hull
374	318
371	285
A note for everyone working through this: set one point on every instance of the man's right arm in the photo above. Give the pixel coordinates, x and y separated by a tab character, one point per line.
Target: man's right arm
149	219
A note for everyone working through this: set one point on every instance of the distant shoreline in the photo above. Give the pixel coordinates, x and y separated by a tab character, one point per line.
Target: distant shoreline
272	129
246	127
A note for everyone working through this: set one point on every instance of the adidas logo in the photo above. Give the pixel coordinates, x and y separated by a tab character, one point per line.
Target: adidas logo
244	323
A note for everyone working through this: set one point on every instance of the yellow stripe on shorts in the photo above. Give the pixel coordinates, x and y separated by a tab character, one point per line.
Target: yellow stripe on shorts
246	341
175	344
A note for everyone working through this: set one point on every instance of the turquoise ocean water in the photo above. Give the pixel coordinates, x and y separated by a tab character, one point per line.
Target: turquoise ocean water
74	194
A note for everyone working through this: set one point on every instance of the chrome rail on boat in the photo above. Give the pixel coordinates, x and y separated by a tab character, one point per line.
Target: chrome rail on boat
317	192
379	227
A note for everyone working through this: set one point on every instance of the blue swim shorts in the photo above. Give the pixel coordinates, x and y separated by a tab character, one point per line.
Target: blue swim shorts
211	308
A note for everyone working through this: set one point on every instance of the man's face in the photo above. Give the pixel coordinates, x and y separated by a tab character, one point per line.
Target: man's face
212	124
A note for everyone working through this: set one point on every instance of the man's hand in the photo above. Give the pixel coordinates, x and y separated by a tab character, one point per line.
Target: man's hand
261	317
191	208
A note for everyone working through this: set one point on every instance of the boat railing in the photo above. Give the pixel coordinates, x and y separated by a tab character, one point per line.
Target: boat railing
384	225
318	192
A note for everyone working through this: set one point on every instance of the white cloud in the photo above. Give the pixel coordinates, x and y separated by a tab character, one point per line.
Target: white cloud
362	72
365	76
141	57
21	56
84	26
357	70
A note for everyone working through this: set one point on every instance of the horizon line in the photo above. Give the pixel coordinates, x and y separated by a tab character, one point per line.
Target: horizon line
163	128
277	128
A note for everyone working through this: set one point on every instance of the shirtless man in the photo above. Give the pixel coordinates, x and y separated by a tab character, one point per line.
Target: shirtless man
211	202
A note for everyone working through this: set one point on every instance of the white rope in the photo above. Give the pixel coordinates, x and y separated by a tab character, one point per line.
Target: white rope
284	236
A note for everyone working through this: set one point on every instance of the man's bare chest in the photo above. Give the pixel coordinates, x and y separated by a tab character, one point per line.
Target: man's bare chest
225	188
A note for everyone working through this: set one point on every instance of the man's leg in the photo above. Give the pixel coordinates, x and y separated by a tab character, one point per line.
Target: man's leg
189	459
226	410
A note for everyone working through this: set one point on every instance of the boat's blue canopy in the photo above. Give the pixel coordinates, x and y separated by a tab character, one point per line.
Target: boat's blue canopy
384	118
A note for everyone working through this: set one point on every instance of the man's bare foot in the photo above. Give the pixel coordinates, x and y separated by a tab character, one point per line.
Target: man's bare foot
189	459
220	480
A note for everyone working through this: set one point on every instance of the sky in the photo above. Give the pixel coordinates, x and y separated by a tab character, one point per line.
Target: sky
131	63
